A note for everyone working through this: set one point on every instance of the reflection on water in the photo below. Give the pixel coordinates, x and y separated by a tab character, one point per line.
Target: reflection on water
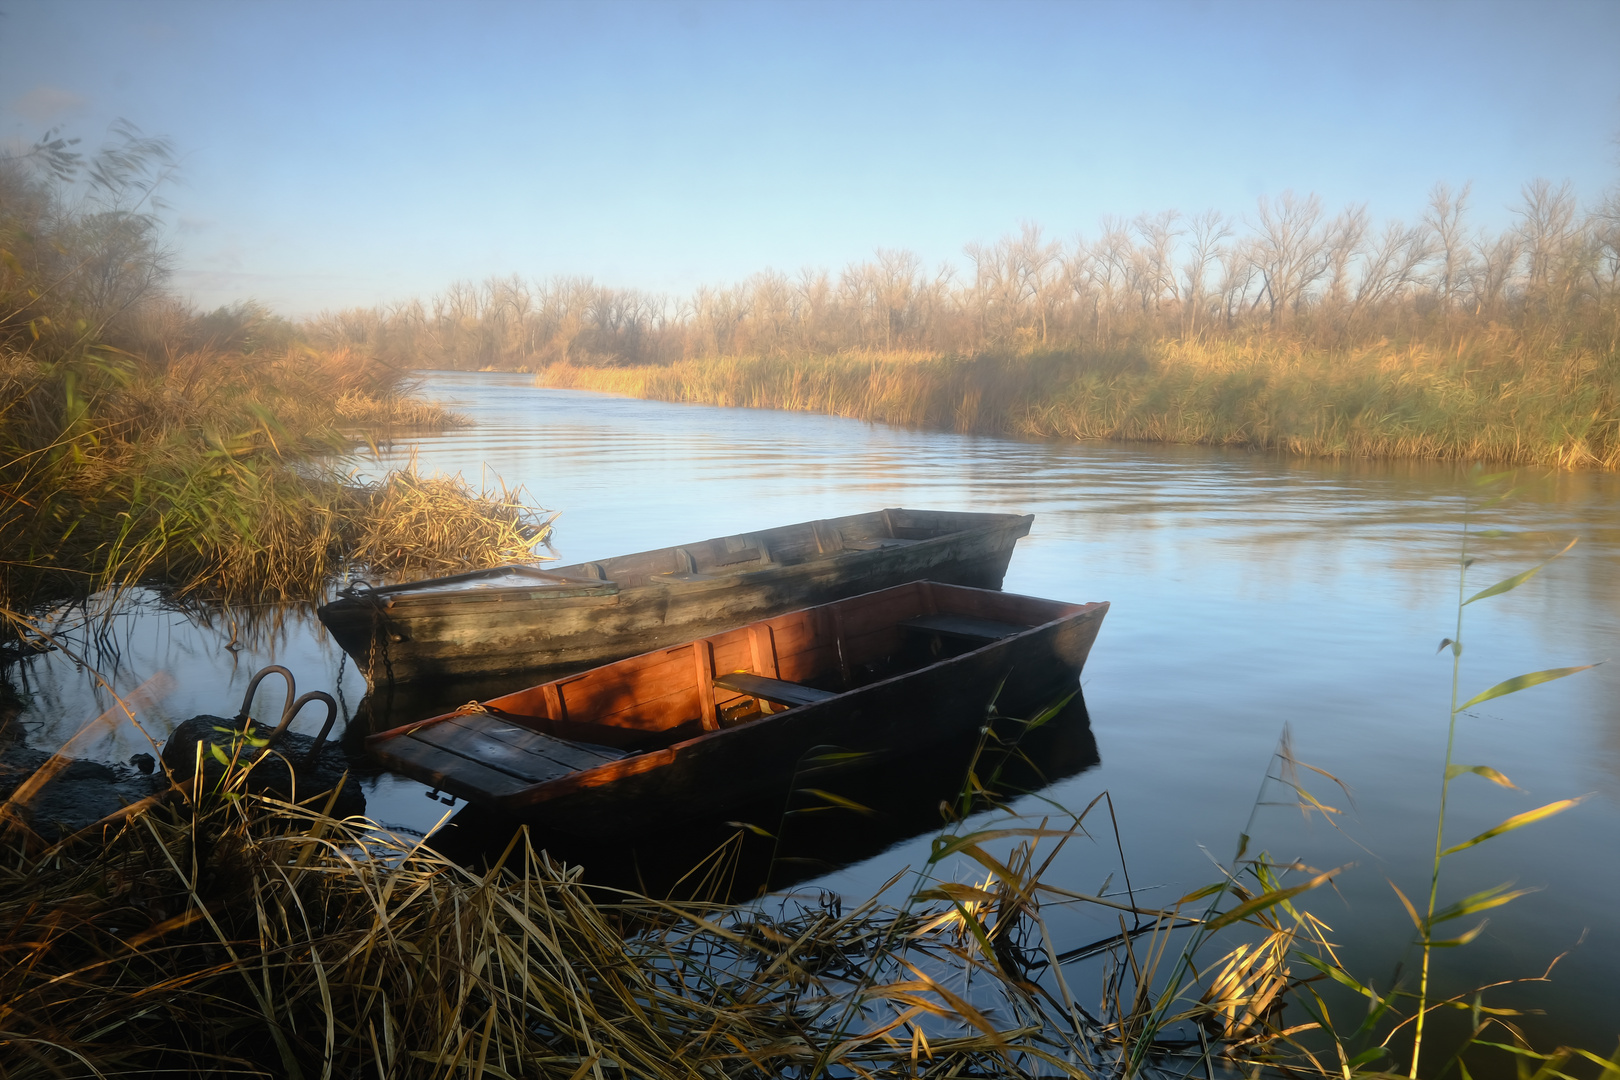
833	815
1248	593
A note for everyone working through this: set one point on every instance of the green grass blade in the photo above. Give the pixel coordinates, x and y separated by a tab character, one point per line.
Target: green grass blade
1268	900
1480	901
1454	771
839	801
1452	943
1509	584
1518	821
1522	682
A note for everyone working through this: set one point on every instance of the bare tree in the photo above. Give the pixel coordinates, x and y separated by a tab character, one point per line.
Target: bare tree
1291	251
1208	231
1010	281
1453	255
1392	267
1154	262
1550	236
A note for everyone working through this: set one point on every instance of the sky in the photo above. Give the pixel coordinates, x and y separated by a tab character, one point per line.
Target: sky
349	154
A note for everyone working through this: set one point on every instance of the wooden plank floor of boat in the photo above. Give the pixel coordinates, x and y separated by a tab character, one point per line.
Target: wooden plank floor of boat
484	752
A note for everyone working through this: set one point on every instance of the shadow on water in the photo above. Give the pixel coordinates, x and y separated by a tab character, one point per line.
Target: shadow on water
832	817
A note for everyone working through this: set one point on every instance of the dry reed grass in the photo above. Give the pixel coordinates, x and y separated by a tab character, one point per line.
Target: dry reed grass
197	471
409	524
1495	399
218	932
244	935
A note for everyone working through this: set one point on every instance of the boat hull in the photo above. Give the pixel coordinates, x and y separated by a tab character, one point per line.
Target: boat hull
702	772
418	635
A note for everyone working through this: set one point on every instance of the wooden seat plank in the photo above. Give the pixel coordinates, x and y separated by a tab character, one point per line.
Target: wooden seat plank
963	626
477	747
778	691
455	774
568	752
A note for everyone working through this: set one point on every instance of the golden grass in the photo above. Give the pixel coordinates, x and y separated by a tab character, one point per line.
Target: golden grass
228	932
410	524
220	932
198	472
1492	400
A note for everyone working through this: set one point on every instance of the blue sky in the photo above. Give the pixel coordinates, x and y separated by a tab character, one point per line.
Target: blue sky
353	153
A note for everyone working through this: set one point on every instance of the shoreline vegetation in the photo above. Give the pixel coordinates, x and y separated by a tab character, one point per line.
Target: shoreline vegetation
142	442
214	928
1259	394
217	929
1290	330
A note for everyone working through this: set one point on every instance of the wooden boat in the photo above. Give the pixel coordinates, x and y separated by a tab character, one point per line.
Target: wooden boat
523	618
690	730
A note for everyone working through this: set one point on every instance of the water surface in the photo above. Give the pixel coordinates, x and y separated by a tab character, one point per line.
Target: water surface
1251	595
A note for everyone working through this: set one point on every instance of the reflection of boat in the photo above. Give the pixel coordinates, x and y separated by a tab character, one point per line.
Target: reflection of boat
527	619
831	815
689	730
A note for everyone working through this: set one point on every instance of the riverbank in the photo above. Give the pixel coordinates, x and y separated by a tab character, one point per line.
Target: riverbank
1559	408
205	927
144	442
1327	584
206	474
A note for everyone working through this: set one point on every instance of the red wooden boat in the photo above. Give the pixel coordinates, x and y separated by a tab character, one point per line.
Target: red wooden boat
689	730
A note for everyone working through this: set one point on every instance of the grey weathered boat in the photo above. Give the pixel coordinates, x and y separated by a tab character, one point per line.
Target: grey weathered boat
528	619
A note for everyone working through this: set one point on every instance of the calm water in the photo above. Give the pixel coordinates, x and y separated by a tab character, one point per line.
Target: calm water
1250	595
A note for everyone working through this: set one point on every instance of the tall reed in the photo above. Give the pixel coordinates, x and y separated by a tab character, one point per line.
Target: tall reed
141	441
1266	395
1499	895
213	929
209	929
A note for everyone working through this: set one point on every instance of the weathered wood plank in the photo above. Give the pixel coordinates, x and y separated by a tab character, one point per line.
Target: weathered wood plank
565	752
476	746
783	693
453	773
703	666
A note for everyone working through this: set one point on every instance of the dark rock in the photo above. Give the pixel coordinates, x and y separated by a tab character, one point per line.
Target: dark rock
280	771
78	794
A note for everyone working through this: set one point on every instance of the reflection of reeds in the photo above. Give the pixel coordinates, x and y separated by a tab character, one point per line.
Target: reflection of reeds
1484	402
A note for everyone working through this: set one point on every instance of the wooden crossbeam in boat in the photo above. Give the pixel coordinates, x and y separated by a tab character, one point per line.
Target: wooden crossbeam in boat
779	691
963	626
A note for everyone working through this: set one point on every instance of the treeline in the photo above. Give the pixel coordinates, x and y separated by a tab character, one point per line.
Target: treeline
1290	270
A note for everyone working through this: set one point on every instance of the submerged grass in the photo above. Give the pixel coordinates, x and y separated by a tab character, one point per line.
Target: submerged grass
1492	399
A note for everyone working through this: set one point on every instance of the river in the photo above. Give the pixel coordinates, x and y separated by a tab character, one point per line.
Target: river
1252	596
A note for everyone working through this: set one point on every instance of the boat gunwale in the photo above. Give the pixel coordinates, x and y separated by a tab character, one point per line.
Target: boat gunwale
426	592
